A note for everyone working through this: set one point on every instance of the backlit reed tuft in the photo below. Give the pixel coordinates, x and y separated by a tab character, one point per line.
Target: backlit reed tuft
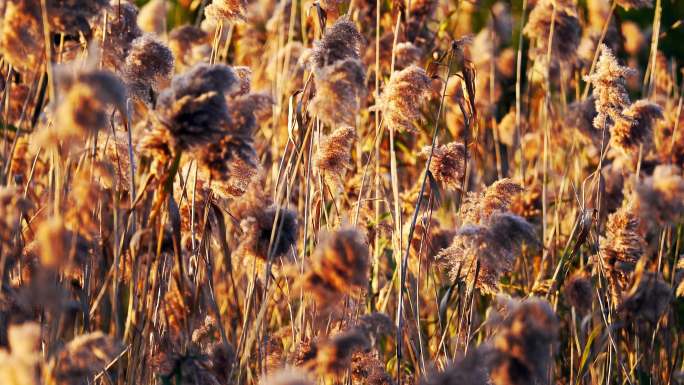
659	195
524	345
228	10
635	127
481	254
190	46
648	298
339	88
22	40
122	30
194	109
339	266
341	41
608	82
403	98
367	369
334	355
84	357
333	157
271	232
448	164
566	30
578	291
148	67
73	16
496	198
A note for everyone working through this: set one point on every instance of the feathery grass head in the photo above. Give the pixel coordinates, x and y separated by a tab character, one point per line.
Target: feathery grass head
339	266
22	40
403	97
448	163
367	369
481	254
608	82
522	349
73	16
231	162
148	66
122	29
495	199
635	126
190	46
334	153
228	10
579	292
194	108
648	299
660	195
339	88
341	41
86	105
279	224
566	29
334	355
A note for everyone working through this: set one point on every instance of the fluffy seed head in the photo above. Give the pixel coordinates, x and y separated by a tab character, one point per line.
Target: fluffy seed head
85	356
73	16
122	29
334	356
367	369
341	41
22	41
648	299
609	90
334	154
231	163
522	350
190	46
660	195
339	266
148	67
448	163
258	230
228	10
566	29
194	108
635	126
403	97
493	246
579	292
339	88
495	199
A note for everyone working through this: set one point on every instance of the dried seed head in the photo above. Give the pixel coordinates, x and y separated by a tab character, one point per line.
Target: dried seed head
190	46
85	108
334	153
148	67
660	195
194	108
342	41
85	356
566	29
263	236
226	10
406	55
579	292
609	90
152	17
232	164
635	126
403	97
73	16
522	350
648	299
122	29
367	369
480	254
339	88
22	41
448	163
495	199
339	266
334	356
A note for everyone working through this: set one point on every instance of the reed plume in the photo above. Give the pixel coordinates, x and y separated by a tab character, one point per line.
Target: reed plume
403	97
